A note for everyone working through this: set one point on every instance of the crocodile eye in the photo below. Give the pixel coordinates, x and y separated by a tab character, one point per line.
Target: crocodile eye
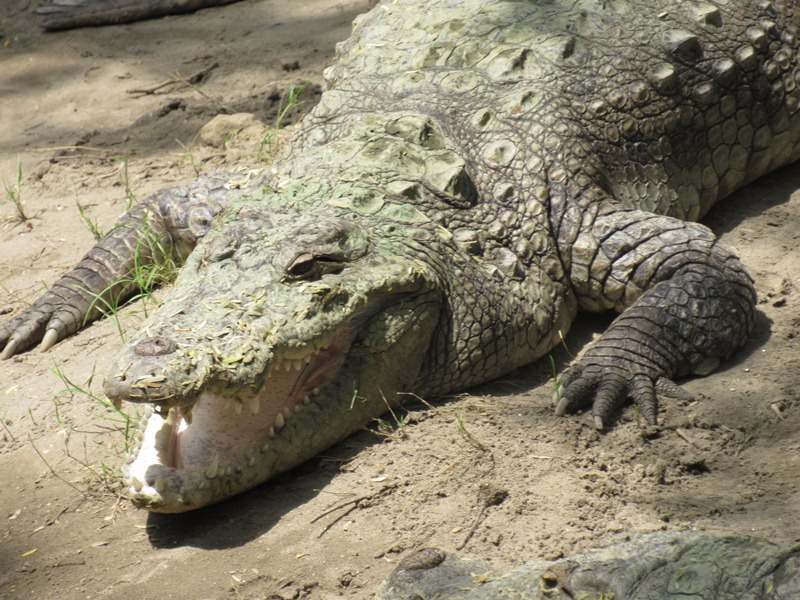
301	266
310	266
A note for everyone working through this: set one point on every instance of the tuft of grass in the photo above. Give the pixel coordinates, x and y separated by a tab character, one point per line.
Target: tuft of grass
397	429
270	142
125	180
190	158
154	265
557	379
14	194
292	102
91	225
120	420
554	375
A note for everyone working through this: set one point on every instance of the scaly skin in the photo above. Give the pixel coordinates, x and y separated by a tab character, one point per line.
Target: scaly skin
56	15
475	174
660	566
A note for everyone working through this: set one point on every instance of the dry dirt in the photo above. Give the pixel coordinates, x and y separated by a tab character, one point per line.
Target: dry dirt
336	526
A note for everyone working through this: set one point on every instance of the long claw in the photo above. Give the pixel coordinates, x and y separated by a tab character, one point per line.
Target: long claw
598	423
10	349
49	340
610	395
575	394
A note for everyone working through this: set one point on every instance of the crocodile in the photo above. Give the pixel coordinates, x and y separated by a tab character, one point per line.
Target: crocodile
655	566
474	175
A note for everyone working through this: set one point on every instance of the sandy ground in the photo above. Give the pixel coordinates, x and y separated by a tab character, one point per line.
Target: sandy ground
336	526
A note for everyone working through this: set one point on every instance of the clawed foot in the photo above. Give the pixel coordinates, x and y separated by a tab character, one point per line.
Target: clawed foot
44	323
606	389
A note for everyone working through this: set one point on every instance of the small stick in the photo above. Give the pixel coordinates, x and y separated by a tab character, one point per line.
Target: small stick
685	437
353	503
189	81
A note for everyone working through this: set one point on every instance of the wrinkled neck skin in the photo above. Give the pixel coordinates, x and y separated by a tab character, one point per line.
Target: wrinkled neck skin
359	274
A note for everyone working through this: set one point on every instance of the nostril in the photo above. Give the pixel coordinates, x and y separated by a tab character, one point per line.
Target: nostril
155	346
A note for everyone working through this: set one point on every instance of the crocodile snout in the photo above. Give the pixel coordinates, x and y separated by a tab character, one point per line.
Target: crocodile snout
143	373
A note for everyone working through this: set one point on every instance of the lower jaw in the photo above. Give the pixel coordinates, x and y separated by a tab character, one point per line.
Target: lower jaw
158	487
231	445
154	485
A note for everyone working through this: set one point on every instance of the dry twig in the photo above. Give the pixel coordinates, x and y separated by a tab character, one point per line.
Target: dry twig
353	504
166	87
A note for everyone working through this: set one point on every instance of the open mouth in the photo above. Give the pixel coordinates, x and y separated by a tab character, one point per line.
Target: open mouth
225	442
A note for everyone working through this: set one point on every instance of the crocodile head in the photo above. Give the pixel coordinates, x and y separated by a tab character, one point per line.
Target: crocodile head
285	332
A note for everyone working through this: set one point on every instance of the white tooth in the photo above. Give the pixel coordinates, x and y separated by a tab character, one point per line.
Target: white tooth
251	460
237	407
298	407
299	364
161	485
213	467
228	471
137	484
172	417
187	415
287	412
315	391
265	447
279	422
307	400
255	405
287	365
271	433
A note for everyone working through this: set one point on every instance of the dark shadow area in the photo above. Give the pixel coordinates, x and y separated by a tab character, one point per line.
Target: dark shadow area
244	517
768	192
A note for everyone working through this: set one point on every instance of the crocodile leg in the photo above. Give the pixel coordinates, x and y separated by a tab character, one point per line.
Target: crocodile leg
686	303
70	14
165	225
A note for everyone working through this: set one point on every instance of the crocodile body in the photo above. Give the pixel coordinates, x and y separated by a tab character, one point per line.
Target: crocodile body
476	173
657	566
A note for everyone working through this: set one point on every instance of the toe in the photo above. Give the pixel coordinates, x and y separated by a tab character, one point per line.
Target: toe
610	395
670	389
576	394
644	394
